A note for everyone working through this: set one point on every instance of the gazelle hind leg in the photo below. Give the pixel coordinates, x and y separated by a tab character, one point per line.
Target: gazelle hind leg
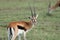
9	35
14	34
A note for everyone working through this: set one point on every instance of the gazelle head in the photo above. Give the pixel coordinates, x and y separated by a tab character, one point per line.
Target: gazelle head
33	16
52	8
49	7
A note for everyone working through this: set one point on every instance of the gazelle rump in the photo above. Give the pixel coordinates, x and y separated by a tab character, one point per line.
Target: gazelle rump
21	27
54	6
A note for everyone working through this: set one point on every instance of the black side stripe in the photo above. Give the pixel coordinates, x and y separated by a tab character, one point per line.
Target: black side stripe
22	28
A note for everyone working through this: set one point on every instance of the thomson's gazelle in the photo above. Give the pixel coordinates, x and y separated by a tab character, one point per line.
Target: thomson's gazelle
51	8
21	27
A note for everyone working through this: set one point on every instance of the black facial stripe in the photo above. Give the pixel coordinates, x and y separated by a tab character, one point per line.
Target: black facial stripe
22	28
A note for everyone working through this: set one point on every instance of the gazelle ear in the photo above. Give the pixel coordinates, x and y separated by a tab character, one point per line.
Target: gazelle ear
30	17
36	15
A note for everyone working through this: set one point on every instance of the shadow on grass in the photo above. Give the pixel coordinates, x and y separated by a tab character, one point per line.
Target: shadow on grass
3	38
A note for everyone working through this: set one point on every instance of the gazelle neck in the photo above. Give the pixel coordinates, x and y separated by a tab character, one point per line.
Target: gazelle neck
32	23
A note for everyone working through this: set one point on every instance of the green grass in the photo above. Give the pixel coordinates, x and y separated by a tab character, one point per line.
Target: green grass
48	27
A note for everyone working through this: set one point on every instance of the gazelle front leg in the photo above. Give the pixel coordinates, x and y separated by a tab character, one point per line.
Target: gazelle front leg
25	36
19	37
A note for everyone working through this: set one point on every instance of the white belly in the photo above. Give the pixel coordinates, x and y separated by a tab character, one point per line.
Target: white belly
20	31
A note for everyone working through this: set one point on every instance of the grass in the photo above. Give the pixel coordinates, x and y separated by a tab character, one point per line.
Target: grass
48	27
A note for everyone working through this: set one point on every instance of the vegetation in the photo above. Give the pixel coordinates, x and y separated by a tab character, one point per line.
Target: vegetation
47	28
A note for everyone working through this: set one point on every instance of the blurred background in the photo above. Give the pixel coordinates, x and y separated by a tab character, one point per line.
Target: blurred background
47	28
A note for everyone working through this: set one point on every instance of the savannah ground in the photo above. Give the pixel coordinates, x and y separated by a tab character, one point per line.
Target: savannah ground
48	27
